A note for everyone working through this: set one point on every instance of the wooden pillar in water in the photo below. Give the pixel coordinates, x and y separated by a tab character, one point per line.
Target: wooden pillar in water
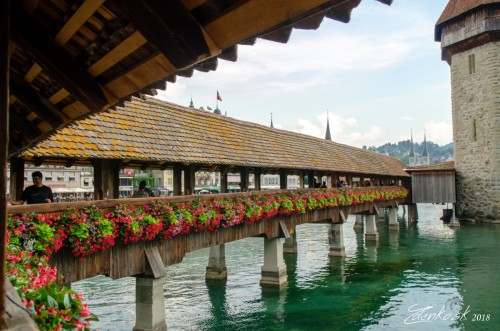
273	272
283	179
371	233
412	213
177	179
358	224
149	298
290	244
337	247
454	223
216	269
16	178
189	179
393	219
257	179
4	143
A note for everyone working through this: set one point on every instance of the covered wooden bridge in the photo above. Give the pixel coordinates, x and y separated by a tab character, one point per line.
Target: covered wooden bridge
65	60
149	133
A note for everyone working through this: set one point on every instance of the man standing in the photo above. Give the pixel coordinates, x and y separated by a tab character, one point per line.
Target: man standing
36	193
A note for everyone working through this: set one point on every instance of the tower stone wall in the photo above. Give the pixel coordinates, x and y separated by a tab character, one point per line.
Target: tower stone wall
475	80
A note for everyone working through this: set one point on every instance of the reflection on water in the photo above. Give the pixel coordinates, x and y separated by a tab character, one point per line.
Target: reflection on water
424	276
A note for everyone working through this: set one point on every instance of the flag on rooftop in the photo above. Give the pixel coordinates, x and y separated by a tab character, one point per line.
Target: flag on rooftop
218	96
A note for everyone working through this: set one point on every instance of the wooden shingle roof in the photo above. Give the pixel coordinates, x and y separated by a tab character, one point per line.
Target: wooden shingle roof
69	59
150	130
455	8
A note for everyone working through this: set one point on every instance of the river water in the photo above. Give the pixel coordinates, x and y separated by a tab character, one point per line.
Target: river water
426	276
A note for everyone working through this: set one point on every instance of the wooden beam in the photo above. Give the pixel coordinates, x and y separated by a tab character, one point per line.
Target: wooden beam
342	12
310	23
122	50
34	102
4	145
27	34
171	28
253	18
84	12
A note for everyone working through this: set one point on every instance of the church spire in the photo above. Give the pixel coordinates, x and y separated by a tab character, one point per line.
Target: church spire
411	157
426	160
191	104
328	136
425	153
272	126
412	152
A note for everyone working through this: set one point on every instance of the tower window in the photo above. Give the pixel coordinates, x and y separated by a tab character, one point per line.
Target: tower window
472	64
474	130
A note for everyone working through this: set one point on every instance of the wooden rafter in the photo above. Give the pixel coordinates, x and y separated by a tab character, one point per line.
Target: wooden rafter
34	102
252	17
55	60
171	28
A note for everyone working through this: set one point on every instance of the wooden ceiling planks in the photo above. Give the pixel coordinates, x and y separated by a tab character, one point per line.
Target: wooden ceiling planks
107	51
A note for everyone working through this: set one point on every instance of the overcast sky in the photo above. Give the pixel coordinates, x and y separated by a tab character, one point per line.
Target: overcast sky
379	76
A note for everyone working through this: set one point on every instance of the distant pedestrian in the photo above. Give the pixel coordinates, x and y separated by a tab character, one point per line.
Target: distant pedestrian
36	193
143	191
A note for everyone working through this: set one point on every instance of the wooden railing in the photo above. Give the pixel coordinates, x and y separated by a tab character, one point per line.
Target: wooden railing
130	259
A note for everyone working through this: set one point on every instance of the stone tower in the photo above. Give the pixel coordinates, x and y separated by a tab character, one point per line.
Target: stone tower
469	32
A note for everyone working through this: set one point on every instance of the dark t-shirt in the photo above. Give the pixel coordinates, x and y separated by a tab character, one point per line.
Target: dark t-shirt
33	194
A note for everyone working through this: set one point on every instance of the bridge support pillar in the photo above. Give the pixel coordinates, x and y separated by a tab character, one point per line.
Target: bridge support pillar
412	213
273	272
358	224
290	244
381	214
216	269
337	247
454	221
371	233
149	304
393	219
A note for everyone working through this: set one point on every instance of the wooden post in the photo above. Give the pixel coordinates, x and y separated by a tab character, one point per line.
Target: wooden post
98	192
4	143
257	179
177	185
301	180
244	177
114	176
334	179
310	179
16	178
106	179
283	179
189	179
223	179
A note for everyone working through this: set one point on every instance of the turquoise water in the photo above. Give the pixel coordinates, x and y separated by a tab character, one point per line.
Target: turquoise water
426	276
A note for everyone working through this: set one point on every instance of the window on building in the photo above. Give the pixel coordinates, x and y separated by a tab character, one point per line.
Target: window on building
472	64
474	130
86	182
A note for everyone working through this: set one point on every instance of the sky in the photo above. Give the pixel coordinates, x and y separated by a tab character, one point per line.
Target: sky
379	78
